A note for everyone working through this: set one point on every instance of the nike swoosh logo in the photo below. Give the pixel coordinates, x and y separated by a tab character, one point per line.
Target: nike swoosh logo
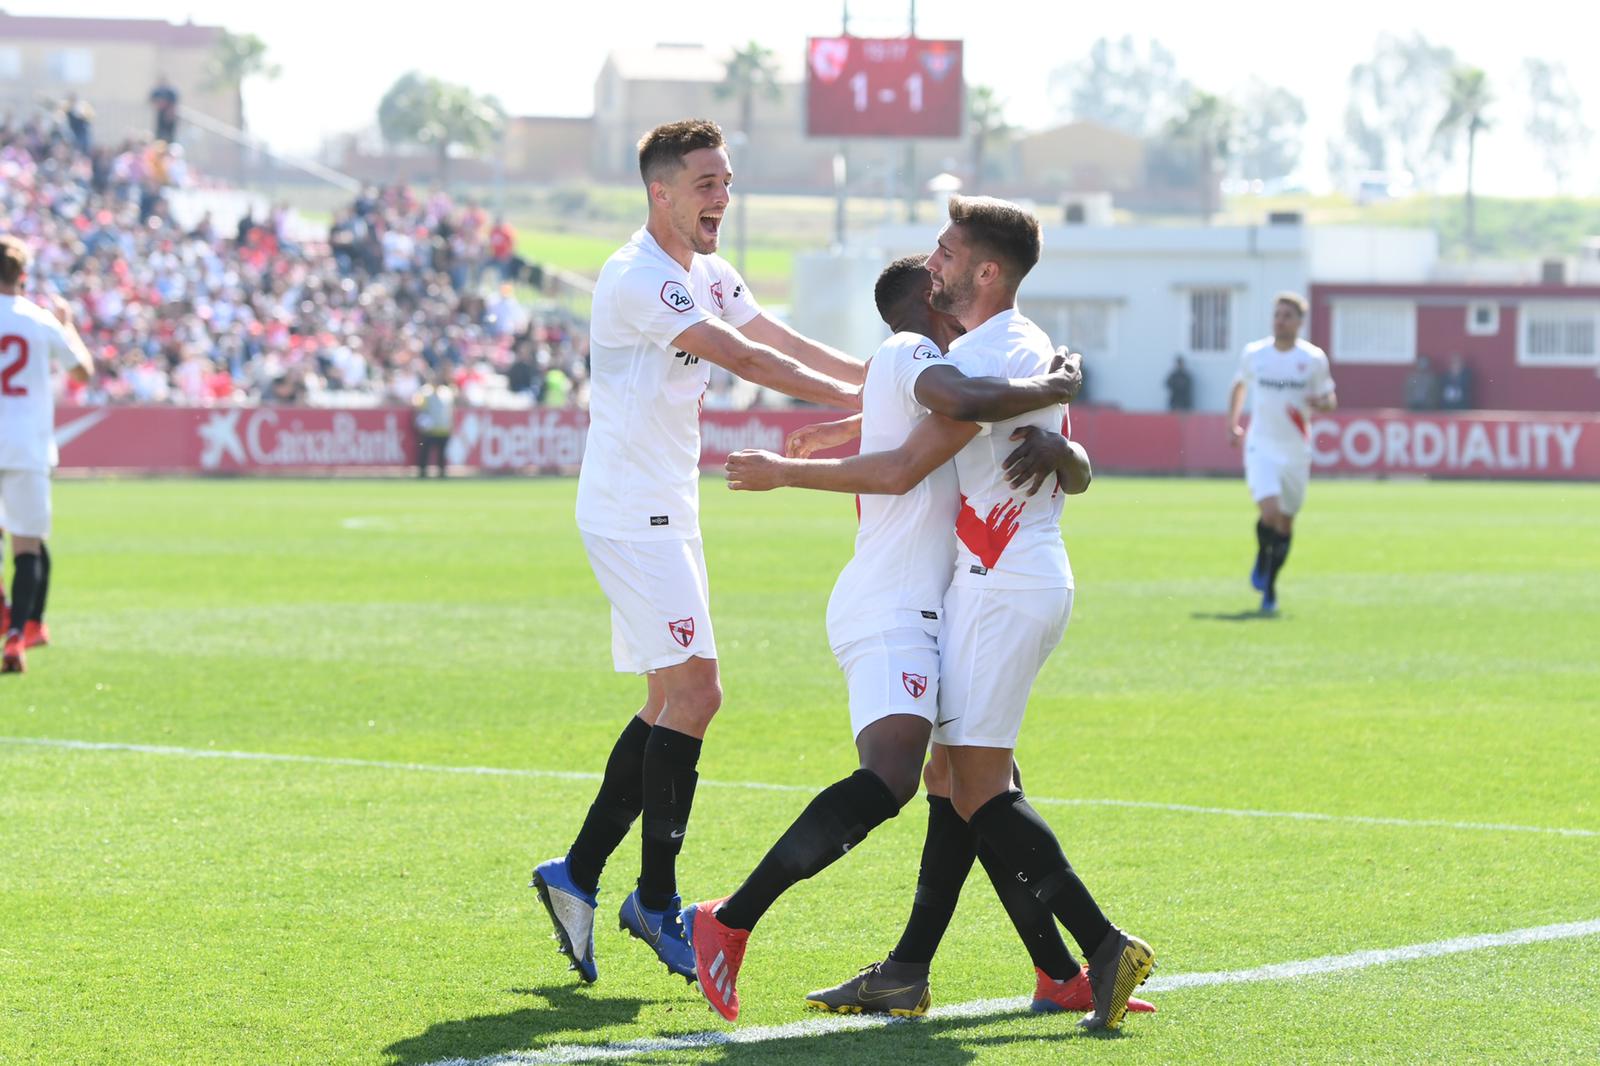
947	721
68	432
677	834
885	994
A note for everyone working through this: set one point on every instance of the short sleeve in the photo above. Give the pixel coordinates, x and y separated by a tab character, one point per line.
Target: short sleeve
736	304
1246	371
659	305
1322	378
911	358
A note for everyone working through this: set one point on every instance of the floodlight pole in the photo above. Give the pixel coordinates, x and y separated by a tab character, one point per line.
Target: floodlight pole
841	166
910	163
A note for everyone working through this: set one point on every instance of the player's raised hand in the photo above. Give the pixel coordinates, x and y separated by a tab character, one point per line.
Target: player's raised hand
820	436
754	470
1038	456
1067	366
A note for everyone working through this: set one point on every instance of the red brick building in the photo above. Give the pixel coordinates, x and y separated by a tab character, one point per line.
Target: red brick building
1530	347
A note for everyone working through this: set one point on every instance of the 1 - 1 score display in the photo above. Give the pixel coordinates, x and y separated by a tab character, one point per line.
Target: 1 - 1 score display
883	87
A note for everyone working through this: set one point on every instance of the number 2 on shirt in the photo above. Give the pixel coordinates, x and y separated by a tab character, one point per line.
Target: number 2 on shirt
12	342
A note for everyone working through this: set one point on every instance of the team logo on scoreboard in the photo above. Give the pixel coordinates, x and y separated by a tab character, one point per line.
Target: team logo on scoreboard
828	57
675	296
938	62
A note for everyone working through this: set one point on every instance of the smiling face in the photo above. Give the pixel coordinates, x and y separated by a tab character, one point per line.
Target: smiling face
692	201
953	269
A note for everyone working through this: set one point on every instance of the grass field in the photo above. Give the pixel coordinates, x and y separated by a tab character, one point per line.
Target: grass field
1432	687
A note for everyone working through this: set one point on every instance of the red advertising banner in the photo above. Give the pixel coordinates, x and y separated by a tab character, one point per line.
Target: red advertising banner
883	87
264	440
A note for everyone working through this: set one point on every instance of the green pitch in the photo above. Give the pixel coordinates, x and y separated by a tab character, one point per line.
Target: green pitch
1435	666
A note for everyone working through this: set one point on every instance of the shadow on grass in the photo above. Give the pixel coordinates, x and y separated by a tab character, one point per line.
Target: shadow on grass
1252	615
924	1042
566	1008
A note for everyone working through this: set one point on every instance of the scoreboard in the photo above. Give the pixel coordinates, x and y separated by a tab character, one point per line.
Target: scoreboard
883	87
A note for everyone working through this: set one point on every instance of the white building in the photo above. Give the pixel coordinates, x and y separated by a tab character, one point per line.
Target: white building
1131	298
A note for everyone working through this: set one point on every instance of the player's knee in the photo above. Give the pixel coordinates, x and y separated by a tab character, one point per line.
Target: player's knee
936	776
703	700
899	773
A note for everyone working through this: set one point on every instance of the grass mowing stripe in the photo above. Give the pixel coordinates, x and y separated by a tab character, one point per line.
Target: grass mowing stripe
766	786
1282	971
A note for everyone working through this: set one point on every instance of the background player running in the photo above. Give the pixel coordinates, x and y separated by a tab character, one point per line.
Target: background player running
1006	609
31	338
1286	378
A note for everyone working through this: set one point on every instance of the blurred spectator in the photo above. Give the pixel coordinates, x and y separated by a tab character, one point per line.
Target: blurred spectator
1422	387
1455	392
164	99
435	420
1180	387
557	387
79	118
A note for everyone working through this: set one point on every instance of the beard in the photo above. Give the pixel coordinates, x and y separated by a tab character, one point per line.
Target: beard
954	295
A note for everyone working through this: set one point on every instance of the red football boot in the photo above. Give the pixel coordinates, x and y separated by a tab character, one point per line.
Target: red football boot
1073	994
35	634
718	953
12	661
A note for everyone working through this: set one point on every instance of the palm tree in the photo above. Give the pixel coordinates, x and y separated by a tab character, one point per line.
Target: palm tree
1206	128
1468	103
750	72
438	114
236	57
986	121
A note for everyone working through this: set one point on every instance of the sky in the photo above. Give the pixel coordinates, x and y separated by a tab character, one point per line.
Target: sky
542	57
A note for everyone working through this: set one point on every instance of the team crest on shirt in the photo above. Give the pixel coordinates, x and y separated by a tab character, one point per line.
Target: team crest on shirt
916	684
716	294
675	296
682	631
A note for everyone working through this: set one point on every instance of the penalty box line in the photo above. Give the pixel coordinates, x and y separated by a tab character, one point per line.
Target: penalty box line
986	1008
765	786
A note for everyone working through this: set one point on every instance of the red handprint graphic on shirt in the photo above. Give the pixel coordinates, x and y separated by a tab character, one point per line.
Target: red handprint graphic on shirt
988	539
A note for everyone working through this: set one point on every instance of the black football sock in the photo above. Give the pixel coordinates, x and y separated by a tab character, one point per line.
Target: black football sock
947	854
44	584
1025	844
24	588
669	780
615	806
1033	921
839	818
1277	555
1263	545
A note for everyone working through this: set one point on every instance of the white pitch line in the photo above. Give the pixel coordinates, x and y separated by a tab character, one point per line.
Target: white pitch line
982	1008
767	786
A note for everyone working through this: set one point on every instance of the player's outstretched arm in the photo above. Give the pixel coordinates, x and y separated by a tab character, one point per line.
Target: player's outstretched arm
933	443
820	436
716	341
764	329
1235	406
82	367
945	390
1041	454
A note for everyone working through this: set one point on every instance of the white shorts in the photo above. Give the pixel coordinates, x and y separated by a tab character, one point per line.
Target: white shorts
992	645
896	672
25	502
1270	474
660	601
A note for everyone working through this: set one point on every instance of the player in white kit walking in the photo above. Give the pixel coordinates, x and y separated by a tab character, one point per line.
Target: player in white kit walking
1287	378
1006	609
665	307
31	338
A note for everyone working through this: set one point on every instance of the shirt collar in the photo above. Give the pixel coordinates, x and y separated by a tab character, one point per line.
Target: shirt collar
993	324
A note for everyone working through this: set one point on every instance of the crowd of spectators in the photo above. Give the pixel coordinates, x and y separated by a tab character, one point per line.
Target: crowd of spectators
405	285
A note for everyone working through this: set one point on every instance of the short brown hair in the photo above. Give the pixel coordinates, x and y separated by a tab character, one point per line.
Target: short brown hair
1293	299
661	151
1001	230
14	257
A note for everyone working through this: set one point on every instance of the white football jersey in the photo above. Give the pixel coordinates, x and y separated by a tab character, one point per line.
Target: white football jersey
904	552
30	339
1281	383
640	478
1005	538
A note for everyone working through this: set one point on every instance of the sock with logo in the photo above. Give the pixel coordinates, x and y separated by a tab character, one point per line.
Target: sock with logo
1034	923
44	584
24	588
947	855
669	779
1027	847
839	818
615	806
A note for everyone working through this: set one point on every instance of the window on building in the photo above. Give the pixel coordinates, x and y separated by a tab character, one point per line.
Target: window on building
10	63
73	66
1376	332
1210	320
1483	319
1559	334
1087	326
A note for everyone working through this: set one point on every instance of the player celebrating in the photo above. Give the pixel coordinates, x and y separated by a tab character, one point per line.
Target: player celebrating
1290	377
1005	611
665	306
30	339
